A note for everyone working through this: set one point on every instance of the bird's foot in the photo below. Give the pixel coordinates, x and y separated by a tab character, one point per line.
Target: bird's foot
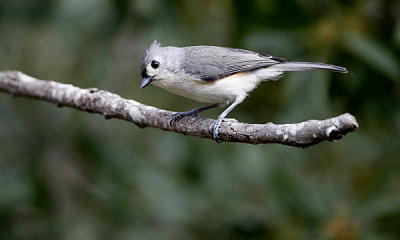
180	115
214	129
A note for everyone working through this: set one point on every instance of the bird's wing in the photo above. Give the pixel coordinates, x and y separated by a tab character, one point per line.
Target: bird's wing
212	63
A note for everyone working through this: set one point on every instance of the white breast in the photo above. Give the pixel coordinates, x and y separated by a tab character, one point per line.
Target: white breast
219	91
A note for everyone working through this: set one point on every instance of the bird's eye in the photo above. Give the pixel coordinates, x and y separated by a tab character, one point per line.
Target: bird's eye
155	64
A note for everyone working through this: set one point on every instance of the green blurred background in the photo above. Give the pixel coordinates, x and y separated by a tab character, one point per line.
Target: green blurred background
67	174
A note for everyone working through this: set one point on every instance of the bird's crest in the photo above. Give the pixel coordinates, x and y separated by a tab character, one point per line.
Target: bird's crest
149	52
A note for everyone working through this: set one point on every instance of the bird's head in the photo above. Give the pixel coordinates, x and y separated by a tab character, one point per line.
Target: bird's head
157	63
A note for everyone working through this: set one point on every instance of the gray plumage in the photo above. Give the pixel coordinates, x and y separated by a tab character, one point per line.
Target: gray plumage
217	75
211	63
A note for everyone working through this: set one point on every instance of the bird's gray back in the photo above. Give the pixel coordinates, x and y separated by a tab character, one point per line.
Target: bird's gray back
211	63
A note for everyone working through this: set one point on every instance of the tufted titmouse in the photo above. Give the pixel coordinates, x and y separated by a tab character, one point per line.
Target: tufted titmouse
216	75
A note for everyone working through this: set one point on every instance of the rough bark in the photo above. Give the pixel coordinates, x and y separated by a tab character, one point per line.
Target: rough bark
113	106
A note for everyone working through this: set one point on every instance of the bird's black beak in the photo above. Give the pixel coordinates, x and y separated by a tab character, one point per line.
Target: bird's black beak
146	81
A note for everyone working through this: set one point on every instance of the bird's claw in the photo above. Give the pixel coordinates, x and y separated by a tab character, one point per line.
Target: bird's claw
180	115
214	130
214	127
195	113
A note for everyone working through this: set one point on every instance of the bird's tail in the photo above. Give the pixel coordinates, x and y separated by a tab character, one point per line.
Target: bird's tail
306	66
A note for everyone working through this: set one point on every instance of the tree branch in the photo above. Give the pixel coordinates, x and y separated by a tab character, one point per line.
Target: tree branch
113	106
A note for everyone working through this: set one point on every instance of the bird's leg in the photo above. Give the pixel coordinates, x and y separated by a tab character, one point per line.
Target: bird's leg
194	112
214	127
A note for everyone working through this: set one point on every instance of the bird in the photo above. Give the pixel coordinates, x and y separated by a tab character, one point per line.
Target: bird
220	76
